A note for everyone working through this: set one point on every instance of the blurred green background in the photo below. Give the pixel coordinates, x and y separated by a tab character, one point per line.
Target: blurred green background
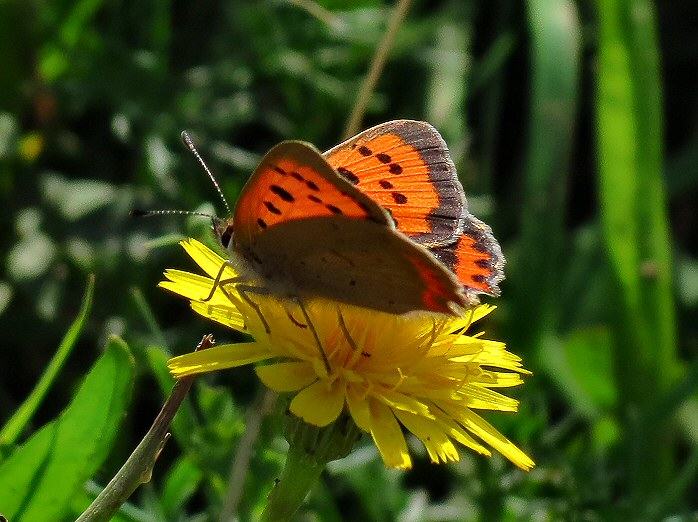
574	127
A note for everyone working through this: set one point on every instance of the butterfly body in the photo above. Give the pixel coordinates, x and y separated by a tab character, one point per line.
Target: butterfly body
356	225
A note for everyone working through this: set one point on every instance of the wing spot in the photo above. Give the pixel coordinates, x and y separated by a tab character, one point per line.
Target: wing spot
482	247
365	151
262	224
352	282
395	168
280	170
399	198
314	198
478	278
384	183
296	175
334	210
282	193
272	208
483	263
383	157
311	185
348	175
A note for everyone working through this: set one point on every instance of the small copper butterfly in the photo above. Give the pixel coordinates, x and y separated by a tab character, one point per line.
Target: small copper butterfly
379	221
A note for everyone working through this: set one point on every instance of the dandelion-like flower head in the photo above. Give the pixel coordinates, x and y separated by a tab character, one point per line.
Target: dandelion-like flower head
417	371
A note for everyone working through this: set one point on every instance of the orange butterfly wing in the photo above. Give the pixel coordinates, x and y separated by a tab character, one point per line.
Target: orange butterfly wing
313	233
293	181
475	258
405	167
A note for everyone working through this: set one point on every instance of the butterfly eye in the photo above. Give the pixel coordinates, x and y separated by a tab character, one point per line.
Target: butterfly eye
223	230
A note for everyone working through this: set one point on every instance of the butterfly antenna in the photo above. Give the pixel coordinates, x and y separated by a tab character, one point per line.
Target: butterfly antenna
148	213
186	138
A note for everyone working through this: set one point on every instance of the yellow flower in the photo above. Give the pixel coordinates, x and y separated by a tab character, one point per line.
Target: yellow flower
418	371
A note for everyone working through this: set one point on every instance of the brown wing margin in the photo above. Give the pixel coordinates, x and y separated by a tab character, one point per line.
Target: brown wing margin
476	259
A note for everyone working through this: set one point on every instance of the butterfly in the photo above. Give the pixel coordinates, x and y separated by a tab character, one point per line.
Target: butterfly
379	221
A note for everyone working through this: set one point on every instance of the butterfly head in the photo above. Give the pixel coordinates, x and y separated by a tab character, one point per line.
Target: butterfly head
223	230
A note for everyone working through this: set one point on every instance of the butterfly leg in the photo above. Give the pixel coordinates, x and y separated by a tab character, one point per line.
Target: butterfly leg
294	320
311	326
217	281
345	331
347	335
244	291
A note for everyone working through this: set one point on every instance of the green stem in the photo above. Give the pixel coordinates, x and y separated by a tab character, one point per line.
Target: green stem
299	475
138	467
374	72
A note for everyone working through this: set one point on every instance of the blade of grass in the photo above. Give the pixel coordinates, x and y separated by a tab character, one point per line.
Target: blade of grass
14	427
39	480
555	42
379	58
634	218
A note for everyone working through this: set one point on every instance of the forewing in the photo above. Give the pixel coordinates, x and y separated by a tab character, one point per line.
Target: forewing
293	181
405	166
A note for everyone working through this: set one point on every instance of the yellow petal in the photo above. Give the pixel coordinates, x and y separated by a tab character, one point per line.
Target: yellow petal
438	444
225	314
458	433
480	311
287	376
320	403
191	286
218	358
490	435
358	407
206	258
480	398
387	435
401	401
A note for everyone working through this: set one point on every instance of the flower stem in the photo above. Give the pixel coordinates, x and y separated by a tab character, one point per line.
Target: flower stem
138	467
300	473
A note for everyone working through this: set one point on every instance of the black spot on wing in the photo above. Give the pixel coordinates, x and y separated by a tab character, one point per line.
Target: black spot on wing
282	193
395	168
272	208
399	198
348	175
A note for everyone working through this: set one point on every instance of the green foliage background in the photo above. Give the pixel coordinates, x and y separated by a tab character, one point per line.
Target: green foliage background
574	126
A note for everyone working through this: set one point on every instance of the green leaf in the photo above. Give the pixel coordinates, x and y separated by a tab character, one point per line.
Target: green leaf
38	481
582	368
13	428
555	54
181	483
636	232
